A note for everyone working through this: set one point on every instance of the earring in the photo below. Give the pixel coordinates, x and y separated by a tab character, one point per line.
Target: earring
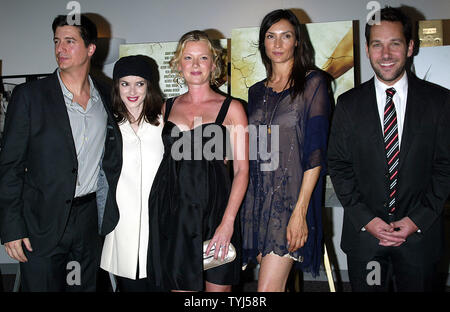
179	79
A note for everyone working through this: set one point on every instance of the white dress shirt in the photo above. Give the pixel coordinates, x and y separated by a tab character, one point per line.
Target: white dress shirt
400	96
128	242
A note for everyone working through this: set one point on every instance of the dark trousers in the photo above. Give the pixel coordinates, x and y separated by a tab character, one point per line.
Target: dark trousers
74	263
391	270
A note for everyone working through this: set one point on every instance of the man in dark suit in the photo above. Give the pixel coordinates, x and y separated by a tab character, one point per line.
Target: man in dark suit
389	161
57	130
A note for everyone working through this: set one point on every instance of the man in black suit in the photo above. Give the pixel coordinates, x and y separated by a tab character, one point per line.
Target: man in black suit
57	130
389	161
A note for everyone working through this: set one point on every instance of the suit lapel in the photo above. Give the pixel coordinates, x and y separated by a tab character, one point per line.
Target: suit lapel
413	113
56	99
373	122
61	115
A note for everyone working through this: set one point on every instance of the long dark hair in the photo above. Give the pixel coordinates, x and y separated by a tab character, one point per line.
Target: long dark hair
303	52
151	107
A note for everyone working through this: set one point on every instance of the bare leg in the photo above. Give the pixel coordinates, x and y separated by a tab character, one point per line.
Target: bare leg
210	287
273	273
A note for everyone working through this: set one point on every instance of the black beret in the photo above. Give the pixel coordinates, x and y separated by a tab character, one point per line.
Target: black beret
134	65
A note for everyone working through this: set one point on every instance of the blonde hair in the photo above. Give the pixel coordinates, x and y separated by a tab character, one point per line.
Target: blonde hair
198	35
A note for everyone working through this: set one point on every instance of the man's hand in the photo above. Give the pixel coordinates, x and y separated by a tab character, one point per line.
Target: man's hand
382	231
403	228
15	251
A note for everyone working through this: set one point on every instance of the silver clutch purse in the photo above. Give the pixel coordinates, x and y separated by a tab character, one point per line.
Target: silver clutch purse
209	262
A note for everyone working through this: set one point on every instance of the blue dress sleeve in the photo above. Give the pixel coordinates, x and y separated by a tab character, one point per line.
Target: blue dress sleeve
316	123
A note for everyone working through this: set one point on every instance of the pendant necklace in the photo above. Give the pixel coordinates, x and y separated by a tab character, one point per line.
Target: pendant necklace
284	170
265	100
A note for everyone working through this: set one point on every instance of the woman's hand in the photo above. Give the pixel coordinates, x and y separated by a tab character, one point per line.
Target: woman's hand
297	231
236	122
221	239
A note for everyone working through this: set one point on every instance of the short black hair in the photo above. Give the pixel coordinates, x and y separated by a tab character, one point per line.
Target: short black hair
88	30
391	14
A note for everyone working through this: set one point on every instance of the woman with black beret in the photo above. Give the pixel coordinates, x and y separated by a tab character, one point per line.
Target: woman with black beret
137	103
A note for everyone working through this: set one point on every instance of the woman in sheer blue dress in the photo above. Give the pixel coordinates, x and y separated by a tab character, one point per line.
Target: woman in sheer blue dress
289	115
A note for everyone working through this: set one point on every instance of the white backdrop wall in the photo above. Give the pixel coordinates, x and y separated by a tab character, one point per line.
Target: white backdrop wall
26	36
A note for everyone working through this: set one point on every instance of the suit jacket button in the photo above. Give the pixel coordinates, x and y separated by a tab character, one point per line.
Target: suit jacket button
385	205
68	201
74	170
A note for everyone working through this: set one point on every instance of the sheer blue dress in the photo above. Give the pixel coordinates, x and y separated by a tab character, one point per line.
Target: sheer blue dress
295	143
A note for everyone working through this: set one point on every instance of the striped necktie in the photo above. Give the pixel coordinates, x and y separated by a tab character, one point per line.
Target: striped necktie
391	144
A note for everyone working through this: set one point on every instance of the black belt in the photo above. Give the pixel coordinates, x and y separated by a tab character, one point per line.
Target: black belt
83	199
